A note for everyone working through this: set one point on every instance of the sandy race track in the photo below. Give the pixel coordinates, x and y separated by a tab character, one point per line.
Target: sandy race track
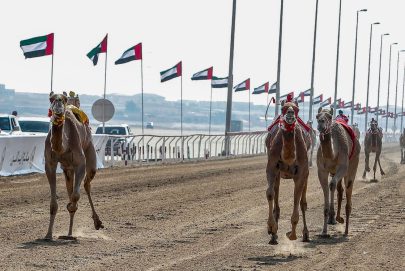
200	216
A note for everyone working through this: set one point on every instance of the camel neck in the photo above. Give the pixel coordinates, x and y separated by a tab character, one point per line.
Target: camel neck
288	150
57	138
326	144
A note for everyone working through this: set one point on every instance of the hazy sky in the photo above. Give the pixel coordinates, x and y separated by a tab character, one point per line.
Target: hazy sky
198	33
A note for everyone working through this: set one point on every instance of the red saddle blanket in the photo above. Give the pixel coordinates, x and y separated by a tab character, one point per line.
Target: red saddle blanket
352	135
300	121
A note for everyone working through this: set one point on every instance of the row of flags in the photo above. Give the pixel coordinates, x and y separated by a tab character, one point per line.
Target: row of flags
43	46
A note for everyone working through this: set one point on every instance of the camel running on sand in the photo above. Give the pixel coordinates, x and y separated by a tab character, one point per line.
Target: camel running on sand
69	143
373	143
402	145
338	156
287	158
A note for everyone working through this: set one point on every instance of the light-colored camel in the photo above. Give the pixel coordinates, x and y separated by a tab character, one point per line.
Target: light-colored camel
356	130
69	143
373	143
338	156
402	145
287	158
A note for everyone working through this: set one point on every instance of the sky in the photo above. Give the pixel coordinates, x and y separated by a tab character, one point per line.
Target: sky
198	34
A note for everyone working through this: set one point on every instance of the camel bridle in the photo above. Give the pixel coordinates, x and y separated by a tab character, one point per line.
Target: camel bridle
57	119
287	123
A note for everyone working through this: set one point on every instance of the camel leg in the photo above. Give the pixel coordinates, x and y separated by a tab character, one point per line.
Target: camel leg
91	167
375	164
298	188
323	179
312	152
272	226
51	175
74	198
341	171
303	204
339	198
276	211
367	167
379	164
349	189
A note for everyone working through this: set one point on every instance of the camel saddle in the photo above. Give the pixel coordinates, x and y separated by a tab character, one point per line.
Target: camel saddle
351	133
79	114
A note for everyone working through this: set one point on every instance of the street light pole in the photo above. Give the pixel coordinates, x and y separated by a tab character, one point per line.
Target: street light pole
355	62
313	64
379	75
396	94
389	81
368	76
337	60
402	109
280	37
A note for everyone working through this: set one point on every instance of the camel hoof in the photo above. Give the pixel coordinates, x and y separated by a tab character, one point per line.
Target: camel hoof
332	221
48	238
98	224
291	236
373	181
324	235
273	240
340	219
67	237
382	173
305	237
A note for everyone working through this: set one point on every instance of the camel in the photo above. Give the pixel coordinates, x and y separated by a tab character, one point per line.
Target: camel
69	143
287	158
402	145
356	130
338	155
373	143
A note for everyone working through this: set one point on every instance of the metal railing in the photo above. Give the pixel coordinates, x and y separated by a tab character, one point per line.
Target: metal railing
138	149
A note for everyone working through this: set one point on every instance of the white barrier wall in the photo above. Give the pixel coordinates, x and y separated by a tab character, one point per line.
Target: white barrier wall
22	154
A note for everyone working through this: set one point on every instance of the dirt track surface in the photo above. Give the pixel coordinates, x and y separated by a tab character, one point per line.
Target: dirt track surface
200	216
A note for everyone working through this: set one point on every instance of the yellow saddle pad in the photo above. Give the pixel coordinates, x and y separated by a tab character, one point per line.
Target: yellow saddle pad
80	115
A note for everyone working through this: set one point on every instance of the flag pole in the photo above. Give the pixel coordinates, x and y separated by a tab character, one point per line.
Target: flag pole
181	113
249	109
143	134
209	126
52	70
267	102
105	87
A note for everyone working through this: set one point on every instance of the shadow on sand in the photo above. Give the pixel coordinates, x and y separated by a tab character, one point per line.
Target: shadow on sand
317	240
47	243
273	260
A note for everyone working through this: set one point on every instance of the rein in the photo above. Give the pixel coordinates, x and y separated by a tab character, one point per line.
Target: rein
57	120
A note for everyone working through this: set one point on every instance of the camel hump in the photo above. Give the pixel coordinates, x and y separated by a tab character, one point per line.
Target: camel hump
79	114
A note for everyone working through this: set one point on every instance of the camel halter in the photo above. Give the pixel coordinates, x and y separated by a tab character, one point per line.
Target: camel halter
57	120
327	130
284	125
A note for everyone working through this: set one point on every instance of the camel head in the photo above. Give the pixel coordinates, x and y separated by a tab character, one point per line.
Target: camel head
288	118
374	125
324	118
58	107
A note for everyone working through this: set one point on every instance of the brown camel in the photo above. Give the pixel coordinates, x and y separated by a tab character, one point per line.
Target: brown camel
338	155
402	145
69	143
287	158
373	143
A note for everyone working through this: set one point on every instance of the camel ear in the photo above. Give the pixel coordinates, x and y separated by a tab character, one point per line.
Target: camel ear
51	97
64	98
319	109
331	111
282	103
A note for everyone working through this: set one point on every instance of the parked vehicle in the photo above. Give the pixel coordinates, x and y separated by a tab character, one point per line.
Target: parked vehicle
9	125
149	125
34	125
119	143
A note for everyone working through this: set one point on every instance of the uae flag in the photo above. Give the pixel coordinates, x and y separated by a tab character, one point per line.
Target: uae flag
300	98
219	82
357	106
273	88
284	97
203	75
348	104
171	73
318	99
245	85
261	89
101	48
326	102
361	111
307	92
133	53
38	46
